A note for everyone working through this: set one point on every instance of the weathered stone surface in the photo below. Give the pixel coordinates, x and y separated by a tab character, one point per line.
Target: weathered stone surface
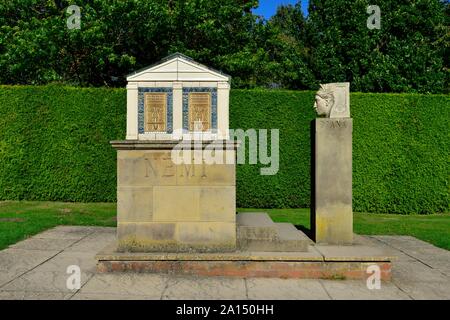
174	203
257	232
289	239
66	232
94	242
20	260
166	206
190	288
332	217
285	289
85	260
110	253
156	168
355	253
44	281
292	239
180	236
417	271
150	286
218	204
31	295
135	204
202	235
357	290
333	100
116	297
426	290
44	244
311	264
145	168
206	175
411	244
419	280
256	226
244	269
443	265
149	236
413	249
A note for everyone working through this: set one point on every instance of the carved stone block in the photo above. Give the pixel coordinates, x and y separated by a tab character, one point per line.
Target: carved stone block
333	100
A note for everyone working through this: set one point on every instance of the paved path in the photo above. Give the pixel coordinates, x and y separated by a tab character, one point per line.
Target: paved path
36	269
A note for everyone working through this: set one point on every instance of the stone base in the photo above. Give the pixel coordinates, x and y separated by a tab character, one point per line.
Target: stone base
168	205
320	262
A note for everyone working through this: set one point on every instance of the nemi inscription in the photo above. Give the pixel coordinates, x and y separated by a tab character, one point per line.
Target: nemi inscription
169	169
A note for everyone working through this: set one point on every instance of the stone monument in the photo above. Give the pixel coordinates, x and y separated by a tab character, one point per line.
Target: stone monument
332	215
164	204
176	189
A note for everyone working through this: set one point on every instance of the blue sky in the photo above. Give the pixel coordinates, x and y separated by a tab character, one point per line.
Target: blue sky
267	8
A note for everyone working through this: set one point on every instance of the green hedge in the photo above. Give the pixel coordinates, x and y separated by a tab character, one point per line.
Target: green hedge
54	145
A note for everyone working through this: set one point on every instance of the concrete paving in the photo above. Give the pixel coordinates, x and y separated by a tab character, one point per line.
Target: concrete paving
36	268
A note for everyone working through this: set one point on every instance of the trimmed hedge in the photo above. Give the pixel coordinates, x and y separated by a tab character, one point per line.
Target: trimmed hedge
54	145
54	142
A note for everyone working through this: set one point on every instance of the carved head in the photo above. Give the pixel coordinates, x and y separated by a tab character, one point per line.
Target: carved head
324	101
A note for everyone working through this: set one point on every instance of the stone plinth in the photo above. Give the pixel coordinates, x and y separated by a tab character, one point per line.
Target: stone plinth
319	262
332	215
165	206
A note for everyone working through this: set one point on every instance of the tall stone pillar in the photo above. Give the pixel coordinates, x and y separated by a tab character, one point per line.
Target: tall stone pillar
331	213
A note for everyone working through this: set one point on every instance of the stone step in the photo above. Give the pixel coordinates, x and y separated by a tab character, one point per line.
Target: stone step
292	239
256	226
289	240
257	232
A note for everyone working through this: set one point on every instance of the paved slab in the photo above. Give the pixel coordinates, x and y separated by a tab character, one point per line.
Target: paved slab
44	281
37	269
30	295
20	260
44	244
357	290
285	289
355	253
146	285
194	288
66	232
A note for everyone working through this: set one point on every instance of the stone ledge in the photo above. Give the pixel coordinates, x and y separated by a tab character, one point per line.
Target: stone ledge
110	253
248	269
170	144
320	262
355	253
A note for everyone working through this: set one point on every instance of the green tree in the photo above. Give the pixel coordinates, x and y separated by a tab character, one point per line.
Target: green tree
409	53
405	55
286	46
117	37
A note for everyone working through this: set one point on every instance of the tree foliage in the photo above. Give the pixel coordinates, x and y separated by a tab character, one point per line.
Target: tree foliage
405	55
290	50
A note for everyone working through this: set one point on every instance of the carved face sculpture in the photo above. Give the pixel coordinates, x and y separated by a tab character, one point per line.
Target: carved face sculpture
324	102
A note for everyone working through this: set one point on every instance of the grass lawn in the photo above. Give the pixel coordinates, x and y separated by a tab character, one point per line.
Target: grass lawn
21	219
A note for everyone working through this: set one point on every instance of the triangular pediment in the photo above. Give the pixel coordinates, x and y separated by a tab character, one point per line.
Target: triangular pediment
178	67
